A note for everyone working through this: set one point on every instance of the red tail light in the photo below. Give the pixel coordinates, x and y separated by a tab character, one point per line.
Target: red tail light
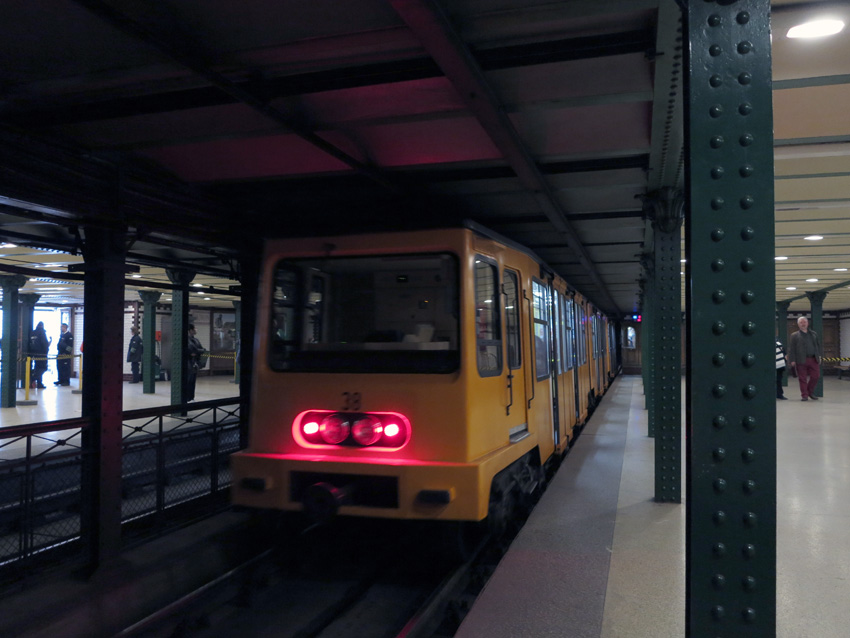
328	429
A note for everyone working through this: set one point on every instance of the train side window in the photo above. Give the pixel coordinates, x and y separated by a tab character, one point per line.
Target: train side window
569	341
540	300
556	333
582	334
512	308
488	330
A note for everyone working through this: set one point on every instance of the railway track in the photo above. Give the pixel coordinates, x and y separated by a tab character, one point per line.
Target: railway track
355	579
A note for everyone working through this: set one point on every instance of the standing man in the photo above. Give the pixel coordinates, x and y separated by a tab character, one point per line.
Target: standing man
780	370
194	350
805	354
64	353
134	353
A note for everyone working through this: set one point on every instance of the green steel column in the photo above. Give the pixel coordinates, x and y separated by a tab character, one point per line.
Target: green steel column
731	412
650	332
666	212
11	284
782	331
237	305
101	402
179	327
28	301
149	298
816	300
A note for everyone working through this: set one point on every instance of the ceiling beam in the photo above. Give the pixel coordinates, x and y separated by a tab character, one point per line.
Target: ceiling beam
432	27
181	53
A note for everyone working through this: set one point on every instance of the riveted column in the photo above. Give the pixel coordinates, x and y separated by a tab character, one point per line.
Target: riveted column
665	209
782	332
816	301
8	375
179	327
149	298
28	301
647	334
731	412
237	305
102	396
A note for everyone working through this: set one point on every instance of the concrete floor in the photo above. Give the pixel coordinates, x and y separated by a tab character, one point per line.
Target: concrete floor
626	578
56	402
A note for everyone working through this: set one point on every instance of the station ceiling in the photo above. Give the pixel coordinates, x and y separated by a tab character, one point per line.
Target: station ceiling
548	122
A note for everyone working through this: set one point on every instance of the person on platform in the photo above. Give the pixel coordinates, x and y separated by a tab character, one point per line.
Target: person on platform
781	360
194	350
134	354
39	346
64	355
805	354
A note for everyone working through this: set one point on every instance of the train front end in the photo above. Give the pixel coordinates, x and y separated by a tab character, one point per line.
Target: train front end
359	406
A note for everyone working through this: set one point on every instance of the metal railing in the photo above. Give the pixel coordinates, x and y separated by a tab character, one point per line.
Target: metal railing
175	467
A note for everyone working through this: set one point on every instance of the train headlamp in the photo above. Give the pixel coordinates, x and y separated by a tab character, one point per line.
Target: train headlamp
328	429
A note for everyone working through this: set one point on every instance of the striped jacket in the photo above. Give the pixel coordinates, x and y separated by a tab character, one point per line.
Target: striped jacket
780	356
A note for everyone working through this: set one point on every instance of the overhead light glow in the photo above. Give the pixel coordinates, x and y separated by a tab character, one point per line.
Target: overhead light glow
198	285
136	276
813	237
811	280
780	258
791	288
816	29
840	270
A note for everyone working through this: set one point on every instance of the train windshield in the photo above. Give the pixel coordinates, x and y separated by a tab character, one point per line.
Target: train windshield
366	314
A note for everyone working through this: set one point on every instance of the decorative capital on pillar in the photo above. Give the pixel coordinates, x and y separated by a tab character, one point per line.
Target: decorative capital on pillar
150	296
29	298
666	208
816	298
12	282
237	304
783	305
179	276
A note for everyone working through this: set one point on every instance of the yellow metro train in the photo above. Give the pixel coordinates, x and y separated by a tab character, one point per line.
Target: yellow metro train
430	375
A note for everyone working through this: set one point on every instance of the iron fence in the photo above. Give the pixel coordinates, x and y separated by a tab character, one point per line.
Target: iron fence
174	468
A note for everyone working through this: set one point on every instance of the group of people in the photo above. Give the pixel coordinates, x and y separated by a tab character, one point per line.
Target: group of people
805	353
194	351
39	348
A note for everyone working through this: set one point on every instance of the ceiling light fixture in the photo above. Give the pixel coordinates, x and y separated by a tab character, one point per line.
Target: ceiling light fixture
816	29
840	270
780	258
811	281
791	288
813	237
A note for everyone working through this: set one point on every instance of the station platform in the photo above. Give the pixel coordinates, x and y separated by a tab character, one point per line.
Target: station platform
598	558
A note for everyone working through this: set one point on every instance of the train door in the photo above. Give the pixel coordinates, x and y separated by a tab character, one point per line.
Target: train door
516	378
597	351
555	363
541	330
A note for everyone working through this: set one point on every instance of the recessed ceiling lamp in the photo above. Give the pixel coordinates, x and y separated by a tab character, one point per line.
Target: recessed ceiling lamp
780	258
813	237
840	270
794	288
816	29
136	276
811	281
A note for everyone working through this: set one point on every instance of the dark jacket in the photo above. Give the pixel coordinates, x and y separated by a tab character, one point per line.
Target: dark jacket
39	345
194	350
797	348
135	349
65	345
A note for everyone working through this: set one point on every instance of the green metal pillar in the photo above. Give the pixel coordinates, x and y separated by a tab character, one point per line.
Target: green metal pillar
782	331
648	337
237	305
104	252
28	301
11	284
816	301
731	411
179	328
149	298
665	209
